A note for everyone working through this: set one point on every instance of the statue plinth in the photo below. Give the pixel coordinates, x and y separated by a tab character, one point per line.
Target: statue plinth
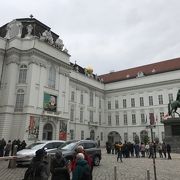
172	133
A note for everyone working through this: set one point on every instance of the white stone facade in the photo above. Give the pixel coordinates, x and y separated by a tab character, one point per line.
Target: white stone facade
90	108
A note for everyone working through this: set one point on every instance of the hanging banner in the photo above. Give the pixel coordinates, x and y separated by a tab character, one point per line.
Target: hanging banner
63	130
33	128
50	102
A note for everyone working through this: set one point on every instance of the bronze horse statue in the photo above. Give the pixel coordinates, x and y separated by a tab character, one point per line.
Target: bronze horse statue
172	108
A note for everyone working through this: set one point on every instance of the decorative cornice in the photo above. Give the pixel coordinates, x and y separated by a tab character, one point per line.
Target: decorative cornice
38	53
12	61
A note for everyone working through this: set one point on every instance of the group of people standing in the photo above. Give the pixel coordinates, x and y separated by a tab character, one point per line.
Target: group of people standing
129	149
6	148
80	167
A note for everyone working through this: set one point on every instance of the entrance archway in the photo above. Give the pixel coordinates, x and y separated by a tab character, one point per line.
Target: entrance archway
113	137
47	132
92	135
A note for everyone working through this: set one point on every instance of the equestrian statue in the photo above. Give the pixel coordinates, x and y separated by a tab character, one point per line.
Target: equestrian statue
174	105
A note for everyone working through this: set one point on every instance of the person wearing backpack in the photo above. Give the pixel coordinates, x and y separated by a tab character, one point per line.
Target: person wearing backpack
38	169
82	170
59	168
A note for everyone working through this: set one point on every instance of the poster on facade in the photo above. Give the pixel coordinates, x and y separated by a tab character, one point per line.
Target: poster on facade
50	102
63	130
33	128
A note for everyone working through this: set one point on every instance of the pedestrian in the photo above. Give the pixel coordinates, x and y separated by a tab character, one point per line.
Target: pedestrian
160	150
147	149
8	148
164	149
169	151
38	169
119	147
82	170
23	145
80	149
59	168
151	150
2	146
142	148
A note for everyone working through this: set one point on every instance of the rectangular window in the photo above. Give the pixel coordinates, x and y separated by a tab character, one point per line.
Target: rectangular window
71	134
141	101
134	135
133	119
125	119
126	136
82	98
99	118
162	135
116	104
161	116
91	99
150	101
72	96
143	121
99	103
72	114
170	96
101	136
109	120
82	135
109	104
132	102
117	120
19	102
81	115
124	103
160	98
91	116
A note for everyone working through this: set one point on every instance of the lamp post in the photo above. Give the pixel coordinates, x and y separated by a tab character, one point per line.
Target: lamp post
152	139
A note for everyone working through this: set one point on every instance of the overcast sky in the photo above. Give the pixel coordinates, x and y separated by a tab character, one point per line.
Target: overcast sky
107	34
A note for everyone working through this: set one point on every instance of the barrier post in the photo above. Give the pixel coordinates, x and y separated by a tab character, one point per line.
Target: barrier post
115	173
12	162
148	175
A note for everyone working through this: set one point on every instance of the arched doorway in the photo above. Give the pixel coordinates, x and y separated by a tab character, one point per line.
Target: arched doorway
144	136
92	135
114	137
47	132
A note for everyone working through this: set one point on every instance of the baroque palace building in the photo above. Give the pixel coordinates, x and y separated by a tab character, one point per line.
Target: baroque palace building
44	96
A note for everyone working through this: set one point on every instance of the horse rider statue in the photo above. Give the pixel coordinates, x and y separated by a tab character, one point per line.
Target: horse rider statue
174	105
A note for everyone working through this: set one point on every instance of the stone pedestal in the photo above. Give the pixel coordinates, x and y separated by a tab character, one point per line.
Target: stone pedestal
172	133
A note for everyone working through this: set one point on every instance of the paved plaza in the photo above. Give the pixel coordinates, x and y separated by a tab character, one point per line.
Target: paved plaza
130	169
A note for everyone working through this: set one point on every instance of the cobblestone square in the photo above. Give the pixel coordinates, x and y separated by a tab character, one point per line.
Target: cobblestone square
130	169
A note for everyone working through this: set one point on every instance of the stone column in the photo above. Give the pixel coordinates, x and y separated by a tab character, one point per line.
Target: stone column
31	90
11	80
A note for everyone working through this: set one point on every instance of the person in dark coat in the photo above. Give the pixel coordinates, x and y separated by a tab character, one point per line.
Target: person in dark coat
82	170
8	148
59	169
38	169
168	151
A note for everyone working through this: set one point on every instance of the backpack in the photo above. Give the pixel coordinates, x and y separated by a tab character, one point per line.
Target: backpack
30	173
86	175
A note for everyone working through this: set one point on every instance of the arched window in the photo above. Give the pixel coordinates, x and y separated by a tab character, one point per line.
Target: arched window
22	74
52	77
19	101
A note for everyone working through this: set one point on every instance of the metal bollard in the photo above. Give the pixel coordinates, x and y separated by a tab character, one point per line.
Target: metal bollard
115	173
12	162
148	175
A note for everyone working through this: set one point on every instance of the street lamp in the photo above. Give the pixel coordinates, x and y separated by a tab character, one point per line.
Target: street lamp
152	139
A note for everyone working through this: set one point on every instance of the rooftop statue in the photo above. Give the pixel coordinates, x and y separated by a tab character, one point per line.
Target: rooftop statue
174	105
29	30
